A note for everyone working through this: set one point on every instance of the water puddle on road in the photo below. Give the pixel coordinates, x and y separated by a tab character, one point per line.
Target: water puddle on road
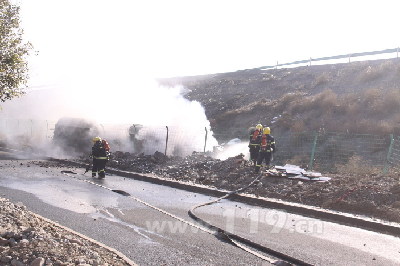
64	196
105	214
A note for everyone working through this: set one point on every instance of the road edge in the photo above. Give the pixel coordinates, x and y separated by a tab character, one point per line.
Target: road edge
348	219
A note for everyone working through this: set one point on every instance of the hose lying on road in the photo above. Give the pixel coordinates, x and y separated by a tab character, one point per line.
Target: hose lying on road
239	241
211	229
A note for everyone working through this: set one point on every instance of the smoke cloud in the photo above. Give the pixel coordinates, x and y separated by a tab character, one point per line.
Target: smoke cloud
99	70
112	109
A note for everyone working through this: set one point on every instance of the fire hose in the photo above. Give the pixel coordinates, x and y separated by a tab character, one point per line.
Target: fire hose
221	234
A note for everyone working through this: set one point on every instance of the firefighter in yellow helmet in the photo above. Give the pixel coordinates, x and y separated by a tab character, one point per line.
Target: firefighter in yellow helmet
100	155
254	144
267	147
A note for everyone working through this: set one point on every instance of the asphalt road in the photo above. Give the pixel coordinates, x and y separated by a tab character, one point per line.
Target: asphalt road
149	237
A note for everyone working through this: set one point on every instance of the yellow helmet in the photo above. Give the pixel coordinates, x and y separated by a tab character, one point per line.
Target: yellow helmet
267	131
259	126
96	139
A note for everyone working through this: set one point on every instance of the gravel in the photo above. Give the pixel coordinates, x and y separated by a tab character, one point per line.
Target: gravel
29	239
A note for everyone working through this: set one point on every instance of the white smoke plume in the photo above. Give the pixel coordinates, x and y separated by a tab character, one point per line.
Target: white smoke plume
98	69
112	110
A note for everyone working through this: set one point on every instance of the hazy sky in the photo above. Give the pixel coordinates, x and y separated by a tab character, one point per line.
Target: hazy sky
182	37
98	59
109	52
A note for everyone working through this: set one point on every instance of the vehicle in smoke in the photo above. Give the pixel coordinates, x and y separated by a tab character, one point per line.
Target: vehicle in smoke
74	135
134	138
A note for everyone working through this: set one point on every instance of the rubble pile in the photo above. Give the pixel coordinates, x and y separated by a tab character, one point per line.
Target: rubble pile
27	239
369	195
198	167
137	163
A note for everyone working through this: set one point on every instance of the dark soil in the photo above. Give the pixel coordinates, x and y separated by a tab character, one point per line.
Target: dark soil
369	195
360	97
355	98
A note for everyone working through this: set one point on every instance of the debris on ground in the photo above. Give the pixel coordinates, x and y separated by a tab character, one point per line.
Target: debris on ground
295	172
369	195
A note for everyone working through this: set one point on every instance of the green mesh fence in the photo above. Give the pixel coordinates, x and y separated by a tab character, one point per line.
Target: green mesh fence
325	152
293	149
333	152
394	154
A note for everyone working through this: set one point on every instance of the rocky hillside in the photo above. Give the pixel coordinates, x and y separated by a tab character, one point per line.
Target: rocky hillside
360	97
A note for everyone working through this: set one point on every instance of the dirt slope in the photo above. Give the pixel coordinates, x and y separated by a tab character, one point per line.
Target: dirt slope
360	97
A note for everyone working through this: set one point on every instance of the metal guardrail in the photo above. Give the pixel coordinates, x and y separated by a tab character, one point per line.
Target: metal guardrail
335	57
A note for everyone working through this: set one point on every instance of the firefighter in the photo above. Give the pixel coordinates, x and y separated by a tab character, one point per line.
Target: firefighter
100	157
254	144
267	147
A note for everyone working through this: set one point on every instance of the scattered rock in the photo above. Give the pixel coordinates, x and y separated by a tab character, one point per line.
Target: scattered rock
396	205
341	192
38	262
23	234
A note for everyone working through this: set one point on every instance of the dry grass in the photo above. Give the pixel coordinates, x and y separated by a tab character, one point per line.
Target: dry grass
321	80
356	165
375	72
299	160
372	111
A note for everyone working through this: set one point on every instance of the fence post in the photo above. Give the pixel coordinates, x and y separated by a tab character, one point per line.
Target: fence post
166	142
385	170
313	151
205	141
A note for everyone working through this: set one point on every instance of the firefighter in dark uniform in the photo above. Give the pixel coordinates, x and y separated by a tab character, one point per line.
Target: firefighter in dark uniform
100	157
267	147
254	144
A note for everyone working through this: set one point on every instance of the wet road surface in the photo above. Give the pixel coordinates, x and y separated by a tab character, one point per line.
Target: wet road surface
151	238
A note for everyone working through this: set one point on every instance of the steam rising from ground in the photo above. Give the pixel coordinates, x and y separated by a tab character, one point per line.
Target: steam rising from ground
113	108
233	149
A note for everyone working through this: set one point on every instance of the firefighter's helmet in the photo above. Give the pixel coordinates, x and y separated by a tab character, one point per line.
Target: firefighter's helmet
96	139
267	130
259	127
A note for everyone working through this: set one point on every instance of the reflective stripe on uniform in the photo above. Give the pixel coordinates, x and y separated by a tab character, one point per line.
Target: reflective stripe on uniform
101	158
